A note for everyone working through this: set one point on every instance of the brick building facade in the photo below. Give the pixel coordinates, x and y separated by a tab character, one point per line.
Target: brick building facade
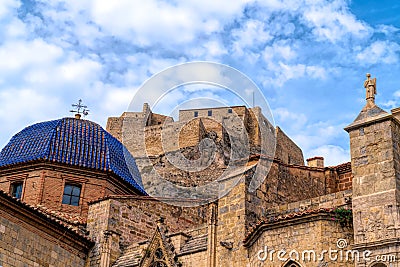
71	194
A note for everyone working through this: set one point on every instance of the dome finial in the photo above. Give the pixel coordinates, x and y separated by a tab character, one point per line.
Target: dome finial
80	109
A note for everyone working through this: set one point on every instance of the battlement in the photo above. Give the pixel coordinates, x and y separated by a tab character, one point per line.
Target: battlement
150	134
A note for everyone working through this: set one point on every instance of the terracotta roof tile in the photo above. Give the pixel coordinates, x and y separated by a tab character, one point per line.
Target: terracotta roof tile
47	215
283	217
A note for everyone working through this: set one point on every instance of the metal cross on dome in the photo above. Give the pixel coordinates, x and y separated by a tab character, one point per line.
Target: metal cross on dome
80	109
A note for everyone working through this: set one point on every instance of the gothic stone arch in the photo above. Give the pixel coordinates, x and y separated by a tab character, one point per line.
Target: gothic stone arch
379	264
291	263
159	252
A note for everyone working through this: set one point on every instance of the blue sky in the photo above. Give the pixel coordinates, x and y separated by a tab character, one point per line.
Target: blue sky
308	57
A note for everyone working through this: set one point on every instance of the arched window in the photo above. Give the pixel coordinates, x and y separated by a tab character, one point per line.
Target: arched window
378	265
159	259
291	264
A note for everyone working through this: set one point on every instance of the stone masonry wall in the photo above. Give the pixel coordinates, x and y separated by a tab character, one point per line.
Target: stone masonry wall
45	187
168	137
153	140
157	119
375	163
30	238
287	150
211	125
133	219
23	245
217	113
144	138
129	130
240	209
316	232
194	259
329	201
284	184
114	127
191	133
345	177
302	235
374	182
198	259
230	226
30	179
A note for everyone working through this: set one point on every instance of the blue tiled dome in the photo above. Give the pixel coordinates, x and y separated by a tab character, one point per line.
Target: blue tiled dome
75	142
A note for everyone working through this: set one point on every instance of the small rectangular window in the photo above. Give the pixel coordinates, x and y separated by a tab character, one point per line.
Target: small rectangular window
210	113
16	190
230	110
196	114
71	194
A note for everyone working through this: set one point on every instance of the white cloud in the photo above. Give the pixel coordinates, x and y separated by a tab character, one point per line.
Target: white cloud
25	106
380	51
279	51
74	74
390	104
316	72
79	71
116	100
214	48
15	29
250	34
282	72
294	119
331	20
387	29
287	72
393	102
103	50
17	55
222	8
149	22
316	134
397	94
7	6
333	155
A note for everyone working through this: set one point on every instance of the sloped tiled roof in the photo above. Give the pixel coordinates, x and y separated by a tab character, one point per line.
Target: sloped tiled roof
74	142
71	219
46	215
131	257
133	254
282	217
343	168
194	244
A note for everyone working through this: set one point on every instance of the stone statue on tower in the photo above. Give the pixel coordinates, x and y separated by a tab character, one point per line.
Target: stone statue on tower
370	86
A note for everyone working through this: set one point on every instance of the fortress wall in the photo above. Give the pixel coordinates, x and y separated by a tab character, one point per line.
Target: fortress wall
157	119
287	150
172	136
284	184
179	135
212	125
191	133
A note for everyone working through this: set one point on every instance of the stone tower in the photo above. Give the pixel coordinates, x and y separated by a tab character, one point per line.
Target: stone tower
374	145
